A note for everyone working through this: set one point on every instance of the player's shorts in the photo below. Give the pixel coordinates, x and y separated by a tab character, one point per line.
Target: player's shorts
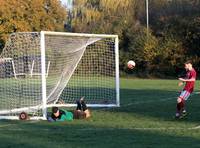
184	94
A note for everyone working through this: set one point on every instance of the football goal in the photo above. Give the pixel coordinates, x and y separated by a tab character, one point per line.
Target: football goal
39	70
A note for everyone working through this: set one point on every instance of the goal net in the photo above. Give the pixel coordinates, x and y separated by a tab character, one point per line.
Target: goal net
44	69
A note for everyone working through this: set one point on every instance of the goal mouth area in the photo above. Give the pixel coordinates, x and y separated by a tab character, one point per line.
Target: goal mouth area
40	68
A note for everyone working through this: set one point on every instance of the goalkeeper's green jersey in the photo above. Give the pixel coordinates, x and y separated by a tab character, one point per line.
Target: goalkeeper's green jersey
64	116
67	116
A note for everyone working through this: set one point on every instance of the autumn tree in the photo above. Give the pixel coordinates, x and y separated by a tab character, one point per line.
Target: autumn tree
30	15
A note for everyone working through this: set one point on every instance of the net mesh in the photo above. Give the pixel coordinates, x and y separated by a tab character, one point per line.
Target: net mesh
94	77
18	89
75	67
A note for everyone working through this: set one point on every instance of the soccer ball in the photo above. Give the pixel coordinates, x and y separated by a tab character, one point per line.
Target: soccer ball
23	116
131	64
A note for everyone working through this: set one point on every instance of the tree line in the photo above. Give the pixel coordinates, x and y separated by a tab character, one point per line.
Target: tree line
173	37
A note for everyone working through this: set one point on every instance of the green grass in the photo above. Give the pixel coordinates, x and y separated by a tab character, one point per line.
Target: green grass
20	92
144	120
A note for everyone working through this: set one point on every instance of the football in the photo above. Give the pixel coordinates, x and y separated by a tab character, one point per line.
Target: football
131	64
23	116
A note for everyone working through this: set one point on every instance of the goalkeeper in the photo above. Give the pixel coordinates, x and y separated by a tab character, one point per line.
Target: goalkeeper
81	112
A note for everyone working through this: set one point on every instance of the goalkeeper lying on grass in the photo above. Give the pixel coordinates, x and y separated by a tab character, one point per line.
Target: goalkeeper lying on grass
81	112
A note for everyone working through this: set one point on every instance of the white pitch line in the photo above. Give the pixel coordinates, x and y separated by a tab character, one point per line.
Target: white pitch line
2	126
196	92
148	101
196	127
168	128
29	122
140	128
111	128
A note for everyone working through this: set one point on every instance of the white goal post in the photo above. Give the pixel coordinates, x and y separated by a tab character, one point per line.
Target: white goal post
45	69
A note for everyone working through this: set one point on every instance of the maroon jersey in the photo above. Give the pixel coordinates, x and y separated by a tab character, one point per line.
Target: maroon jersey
189	86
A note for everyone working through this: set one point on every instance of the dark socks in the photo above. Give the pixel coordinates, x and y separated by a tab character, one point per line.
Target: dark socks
180	106
81	105
84	106
78	105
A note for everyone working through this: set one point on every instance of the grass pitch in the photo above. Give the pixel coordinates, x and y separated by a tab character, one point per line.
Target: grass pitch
144	120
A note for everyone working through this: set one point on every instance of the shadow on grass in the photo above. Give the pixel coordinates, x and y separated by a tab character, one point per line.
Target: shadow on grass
75	135
157	103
